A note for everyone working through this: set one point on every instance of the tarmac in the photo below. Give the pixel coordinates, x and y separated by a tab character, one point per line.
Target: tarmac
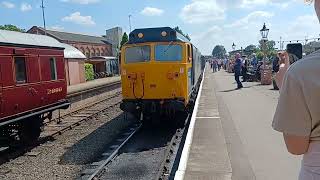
232	137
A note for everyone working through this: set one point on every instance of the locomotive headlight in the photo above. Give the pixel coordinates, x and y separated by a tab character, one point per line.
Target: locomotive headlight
140	35
164	33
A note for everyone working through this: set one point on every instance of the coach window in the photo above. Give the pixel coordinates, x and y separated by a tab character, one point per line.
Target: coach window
53	68
20	70
138	54
168	52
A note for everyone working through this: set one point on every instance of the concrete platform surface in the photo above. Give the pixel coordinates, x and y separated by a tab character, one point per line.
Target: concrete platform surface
256	151
208	157
92	84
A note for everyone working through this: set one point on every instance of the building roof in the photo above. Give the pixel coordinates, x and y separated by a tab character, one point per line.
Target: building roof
25	39
71	52
67	36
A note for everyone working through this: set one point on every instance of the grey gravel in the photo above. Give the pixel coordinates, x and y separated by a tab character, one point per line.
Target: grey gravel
65	157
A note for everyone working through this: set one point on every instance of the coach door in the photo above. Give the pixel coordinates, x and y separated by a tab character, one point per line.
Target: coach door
1	96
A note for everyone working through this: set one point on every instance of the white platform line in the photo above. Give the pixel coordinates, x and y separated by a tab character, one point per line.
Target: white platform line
209	117
186	148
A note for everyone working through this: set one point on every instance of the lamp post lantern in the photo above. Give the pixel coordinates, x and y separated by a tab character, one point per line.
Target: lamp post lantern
233	46
264	32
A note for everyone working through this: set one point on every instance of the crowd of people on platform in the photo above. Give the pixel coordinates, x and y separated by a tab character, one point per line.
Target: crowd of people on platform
297	114
249	67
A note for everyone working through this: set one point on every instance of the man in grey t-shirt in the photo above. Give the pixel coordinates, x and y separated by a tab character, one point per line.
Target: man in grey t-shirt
298	112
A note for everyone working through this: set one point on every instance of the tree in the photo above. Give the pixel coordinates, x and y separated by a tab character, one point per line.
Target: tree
181	32
270	48
10	27
250	49
219	51
124	40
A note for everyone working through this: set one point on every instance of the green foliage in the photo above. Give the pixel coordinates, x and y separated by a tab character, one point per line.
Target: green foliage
181	32
269	49
89	73
219	51
124	40
250	49
260	55
10	27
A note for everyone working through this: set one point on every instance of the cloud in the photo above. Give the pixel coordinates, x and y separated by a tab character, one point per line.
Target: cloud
202	11
57	28
7	4
302	26
251	17
78	19
25	7
150	11
81	1
254	3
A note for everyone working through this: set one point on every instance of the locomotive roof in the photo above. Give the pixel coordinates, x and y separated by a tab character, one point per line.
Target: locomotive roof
156	35
11	38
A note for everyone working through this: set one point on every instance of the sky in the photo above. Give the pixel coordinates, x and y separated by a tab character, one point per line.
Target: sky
208	22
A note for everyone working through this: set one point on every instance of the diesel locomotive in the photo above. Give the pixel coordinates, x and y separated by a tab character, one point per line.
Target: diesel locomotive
32	84
161	71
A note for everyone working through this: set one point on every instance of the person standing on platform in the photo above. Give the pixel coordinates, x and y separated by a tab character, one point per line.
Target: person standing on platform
244	69
237	70
254	61
298	114
214	65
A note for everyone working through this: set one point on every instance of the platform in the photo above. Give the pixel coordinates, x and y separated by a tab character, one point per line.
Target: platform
92	84
207	154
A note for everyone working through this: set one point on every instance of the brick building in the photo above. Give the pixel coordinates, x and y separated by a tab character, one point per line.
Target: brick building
90	46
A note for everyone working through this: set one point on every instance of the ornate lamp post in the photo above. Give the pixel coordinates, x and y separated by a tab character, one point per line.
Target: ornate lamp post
266	72
233	46
264	34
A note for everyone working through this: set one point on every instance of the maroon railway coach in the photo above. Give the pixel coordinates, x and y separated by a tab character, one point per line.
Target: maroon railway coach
32	84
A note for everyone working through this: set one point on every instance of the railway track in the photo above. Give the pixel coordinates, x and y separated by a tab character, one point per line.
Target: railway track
135	147
66	122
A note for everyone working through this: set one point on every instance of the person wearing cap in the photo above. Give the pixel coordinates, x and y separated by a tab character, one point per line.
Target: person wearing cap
297	115
237	70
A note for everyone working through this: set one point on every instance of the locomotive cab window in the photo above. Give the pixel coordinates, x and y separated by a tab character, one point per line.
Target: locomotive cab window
168	52
53	68
138	54
20	70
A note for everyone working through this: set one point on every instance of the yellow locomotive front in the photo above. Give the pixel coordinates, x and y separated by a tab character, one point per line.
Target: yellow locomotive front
155	73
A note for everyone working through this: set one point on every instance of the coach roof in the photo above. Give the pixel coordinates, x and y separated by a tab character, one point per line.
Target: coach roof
28	40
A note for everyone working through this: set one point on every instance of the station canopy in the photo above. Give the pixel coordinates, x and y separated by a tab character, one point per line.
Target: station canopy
12	38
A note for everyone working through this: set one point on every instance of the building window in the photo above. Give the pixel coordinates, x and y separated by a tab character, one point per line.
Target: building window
20	70
53	68
88	54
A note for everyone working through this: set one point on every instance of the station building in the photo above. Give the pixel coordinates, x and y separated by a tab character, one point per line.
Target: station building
92	47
